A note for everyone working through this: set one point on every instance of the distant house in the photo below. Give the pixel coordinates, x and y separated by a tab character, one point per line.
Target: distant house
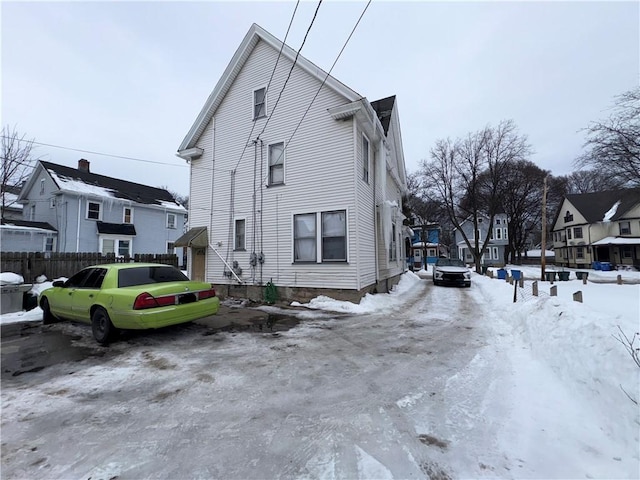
299	186
73	210
494	253
425	246
598	227
11	209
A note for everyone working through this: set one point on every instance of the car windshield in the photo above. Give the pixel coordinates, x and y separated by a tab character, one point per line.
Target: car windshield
129	277
450	262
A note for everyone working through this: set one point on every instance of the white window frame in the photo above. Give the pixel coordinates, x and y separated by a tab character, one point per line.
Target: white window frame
393	246
89	202
124	215
284	162
175	221
254	104
366	155
32	213
315	237
42	186
53	244
318	237
116	243
627	230
494	251
580	253
237	247
171	248
575	232
505	233
52	202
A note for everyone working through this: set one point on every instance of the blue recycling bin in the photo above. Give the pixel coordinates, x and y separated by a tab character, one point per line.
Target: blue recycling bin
597	266
516	274
502	274
606	266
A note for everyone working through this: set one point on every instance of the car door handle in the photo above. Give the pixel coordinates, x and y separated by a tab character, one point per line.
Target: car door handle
91	295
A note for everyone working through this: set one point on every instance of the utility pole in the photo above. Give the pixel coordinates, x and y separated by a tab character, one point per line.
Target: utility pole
543	256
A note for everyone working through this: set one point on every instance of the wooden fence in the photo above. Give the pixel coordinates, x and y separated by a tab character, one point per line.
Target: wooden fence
55	265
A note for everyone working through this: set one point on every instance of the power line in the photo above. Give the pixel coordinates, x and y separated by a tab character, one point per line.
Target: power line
329	72
246	144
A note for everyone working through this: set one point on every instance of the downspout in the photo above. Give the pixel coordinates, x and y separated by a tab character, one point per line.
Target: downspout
355	189
78	232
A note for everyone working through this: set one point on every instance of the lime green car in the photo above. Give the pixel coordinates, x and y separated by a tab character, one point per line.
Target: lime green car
128	296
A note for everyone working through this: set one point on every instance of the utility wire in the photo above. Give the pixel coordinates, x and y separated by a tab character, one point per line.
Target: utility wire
246	144
315	14
329	72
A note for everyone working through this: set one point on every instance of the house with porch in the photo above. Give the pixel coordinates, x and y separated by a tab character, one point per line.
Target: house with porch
296	181
67	209
599	227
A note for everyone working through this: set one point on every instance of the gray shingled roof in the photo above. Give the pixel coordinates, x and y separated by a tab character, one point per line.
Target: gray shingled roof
594	206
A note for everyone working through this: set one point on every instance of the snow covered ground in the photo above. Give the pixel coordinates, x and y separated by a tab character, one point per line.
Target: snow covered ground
490	388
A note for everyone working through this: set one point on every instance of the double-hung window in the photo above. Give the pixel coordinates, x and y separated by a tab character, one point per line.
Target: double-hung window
171	220
304	238
577	232
127	215
625	228
322	236
259	103
365	159
276	163
49	244
93	210
239	234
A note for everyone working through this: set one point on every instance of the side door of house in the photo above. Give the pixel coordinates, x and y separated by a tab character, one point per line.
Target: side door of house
198	263
85	295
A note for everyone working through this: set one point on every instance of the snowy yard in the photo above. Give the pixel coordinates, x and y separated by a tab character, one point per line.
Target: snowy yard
423	382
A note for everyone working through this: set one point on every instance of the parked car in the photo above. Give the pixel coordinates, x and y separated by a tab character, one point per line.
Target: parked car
450	271
128	296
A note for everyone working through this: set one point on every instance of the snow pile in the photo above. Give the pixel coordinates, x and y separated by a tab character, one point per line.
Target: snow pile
369	303
611	212
8	278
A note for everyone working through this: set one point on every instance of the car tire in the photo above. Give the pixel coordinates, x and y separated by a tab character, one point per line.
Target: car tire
47	316
103	329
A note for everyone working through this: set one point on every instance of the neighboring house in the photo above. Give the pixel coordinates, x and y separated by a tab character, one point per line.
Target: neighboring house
494	253
11	209
600	226
307	195
425	246
95	213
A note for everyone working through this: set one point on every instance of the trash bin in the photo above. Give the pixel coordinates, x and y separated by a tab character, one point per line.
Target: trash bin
597	266
581	275
516	274
605	266
563	276
484	269
502	274
550	276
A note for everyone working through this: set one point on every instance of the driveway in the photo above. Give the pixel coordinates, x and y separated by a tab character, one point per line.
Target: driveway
369	396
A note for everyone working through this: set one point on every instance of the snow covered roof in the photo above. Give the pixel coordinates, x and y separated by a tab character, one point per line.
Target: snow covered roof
11	224
82	181
618	241
605	206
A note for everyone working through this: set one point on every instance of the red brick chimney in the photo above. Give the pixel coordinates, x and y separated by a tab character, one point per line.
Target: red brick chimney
83	165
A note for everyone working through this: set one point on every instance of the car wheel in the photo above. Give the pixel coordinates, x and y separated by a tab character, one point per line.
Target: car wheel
103	329
47	316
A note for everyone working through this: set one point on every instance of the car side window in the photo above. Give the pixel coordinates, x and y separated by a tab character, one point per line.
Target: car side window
94	279
76	280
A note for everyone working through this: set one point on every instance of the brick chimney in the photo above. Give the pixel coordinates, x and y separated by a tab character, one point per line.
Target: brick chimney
83	165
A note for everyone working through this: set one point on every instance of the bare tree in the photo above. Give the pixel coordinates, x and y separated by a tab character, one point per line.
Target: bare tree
613	145
587	181
17	164
467	176
632	349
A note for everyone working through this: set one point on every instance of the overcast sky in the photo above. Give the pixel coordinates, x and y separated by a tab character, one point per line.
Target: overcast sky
129	79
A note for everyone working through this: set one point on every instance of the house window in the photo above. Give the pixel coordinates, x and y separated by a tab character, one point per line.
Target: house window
171	249
431	252
239	235
259	103
568	217
580	252
498	234
276	163
393	256
108	246
569	233
334	236
52	202
625	228
32	213
171	220
365	159
497	221
127	215
304	238
577	232
626	252
124	248
93	211
42	186
49	244
495	253
505	233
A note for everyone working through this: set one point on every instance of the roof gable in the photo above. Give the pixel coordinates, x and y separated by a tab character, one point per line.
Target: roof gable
251	39
595	206
79	181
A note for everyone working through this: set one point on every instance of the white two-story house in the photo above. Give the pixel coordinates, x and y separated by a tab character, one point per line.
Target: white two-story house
299	185
69	209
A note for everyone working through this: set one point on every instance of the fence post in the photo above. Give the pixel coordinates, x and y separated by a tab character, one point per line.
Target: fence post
554	291
521	281
619	279
584	280
534	286
577	296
